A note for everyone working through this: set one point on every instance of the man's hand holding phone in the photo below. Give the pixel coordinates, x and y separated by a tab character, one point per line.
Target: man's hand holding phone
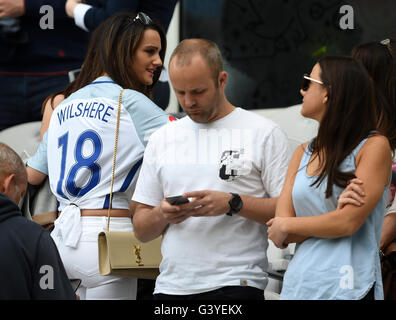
176	209
204	203
176	200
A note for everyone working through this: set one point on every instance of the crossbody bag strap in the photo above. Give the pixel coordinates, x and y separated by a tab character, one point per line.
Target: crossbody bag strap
114	158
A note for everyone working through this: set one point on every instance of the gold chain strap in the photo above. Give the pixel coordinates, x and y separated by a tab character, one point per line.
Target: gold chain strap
114	158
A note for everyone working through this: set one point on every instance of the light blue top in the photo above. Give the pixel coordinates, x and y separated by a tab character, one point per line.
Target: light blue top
341	268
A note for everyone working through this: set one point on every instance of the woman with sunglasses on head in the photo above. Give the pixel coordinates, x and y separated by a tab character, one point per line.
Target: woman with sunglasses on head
125	52
89	13
337	252
94	62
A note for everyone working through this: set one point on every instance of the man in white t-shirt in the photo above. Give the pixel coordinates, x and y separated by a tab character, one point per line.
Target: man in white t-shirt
231	164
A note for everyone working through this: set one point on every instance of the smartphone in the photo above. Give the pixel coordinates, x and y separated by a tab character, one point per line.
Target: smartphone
176	200
75	283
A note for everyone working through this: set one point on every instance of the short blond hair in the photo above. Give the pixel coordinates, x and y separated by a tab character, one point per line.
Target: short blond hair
207	49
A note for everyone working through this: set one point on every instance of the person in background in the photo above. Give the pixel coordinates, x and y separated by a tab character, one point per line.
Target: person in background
337	253
30	266
378	57
126	52
35	60
89	14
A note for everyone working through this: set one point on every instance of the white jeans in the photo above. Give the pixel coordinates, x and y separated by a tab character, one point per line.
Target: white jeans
82	262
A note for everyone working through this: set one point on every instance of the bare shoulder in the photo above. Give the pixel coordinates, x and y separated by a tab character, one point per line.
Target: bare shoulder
376	150
51	105
296	157
48	110
374	161
57	100
300	150
376	143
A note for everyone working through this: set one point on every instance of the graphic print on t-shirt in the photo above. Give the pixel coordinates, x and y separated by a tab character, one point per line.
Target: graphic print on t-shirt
233	165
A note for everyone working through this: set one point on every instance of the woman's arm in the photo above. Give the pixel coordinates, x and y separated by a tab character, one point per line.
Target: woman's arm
48	110
373	167
285	206
35	177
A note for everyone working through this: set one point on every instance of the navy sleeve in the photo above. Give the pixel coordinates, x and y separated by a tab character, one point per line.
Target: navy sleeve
158	10
50	280
96	15
32	7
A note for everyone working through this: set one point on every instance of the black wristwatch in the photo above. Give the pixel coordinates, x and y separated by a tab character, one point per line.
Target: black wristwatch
235	204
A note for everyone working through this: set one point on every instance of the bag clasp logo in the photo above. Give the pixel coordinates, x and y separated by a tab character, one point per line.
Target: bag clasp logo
136	249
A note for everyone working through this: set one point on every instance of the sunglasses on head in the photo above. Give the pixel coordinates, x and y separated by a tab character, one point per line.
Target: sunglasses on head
143	18
387	43
306	82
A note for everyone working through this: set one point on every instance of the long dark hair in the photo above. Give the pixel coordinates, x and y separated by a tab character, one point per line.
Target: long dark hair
111	50
348	119
380	61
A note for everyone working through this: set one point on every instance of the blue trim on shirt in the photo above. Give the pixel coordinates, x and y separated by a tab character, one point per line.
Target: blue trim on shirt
130	176
126	183
106	203
101	82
